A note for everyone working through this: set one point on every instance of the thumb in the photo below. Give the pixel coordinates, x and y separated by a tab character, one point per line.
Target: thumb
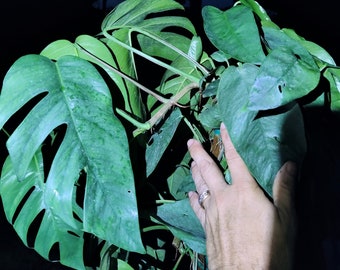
283	190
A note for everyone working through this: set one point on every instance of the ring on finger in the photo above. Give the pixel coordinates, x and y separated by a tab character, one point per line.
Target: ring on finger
201	198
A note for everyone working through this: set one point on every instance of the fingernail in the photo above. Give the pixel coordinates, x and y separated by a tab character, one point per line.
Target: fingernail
222	126
190	142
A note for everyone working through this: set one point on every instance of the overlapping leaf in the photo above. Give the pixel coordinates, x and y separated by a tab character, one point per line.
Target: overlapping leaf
266	142
287	73
58	225
234	32
95	51
183	223
154	37
277	82
131	16
161	140
95	142
171	84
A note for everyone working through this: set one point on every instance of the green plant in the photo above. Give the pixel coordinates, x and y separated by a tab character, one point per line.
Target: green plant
98	157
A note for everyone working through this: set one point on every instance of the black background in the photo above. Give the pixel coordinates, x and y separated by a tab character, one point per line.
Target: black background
28	26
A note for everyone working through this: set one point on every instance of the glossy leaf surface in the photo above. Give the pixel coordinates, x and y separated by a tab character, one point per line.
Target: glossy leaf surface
96	51
282	78
32	197
234	32
95	142
264	142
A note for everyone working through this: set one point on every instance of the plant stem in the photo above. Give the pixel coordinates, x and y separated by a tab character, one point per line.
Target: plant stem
174	48
178	261
7	134
136	123
166	107
164	201
198	136
154	228
151	59
123	75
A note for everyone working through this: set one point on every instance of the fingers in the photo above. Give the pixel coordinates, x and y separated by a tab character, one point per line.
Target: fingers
205	172
199	211
283	189
238	169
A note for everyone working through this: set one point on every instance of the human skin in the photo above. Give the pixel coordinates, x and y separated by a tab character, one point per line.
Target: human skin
244	229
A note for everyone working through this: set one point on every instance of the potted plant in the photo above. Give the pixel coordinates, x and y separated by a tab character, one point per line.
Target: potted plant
97	161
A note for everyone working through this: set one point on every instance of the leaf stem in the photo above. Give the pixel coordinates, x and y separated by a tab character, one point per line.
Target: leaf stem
162	201
136	123
166	107
123	75
7	134
154	228
174	48
178	261
150	58
198	136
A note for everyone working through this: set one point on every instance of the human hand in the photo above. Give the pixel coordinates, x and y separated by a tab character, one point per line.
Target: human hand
244	229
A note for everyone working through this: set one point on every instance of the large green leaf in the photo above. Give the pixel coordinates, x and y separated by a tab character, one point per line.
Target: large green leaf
133	12
157	27
95	51
58	225
234	32
282	78
264	142
322	57
156	34
95	141
282	38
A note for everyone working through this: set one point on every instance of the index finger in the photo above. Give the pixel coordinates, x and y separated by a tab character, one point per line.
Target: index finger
239	172
206	166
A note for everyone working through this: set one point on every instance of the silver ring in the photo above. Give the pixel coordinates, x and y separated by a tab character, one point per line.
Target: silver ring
202	197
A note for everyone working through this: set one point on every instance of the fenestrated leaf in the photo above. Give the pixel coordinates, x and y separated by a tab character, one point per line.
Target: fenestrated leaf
156	34
234	32
95	141
58	224
95	51
183	223
161	140
153	47
264	142
157	26
132	12
282	78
